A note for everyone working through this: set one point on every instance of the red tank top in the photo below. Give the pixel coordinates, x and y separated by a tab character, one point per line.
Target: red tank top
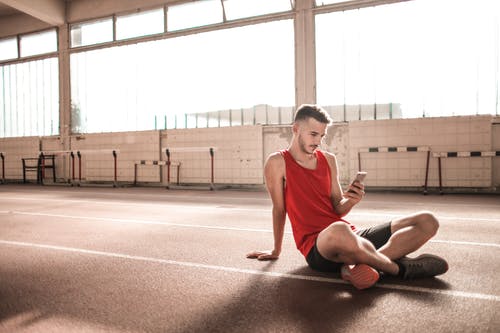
307	199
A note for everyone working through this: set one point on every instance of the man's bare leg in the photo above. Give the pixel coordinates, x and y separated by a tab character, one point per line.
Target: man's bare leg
339	243
409	234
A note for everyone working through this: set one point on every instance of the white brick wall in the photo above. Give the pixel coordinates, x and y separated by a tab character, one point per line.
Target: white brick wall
238	157
406	169
131	147
470	133
242	150
14	149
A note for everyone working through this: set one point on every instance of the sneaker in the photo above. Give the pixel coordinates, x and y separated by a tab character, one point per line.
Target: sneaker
361	276
423	266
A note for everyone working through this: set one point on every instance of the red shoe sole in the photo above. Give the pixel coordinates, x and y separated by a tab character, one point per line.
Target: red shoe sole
361	276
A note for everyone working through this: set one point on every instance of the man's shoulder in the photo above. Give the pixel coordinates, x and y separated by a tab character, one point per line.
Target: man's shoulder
330	158
328	155
276	155
275	160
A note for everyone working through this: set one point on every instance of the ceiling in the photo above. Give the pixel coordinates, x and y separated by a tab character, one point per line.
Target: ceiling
52	12
25	16
59	12
7	11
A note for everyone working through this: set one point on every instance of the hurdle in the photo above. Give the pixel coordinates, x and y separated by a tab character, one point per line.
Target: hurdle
159	163
43	153
79	153
3	167
210	150
114	152
458	154
396	149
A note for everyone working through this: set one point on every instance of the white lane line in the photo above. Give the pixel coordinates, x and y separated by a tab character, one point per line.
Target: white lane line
439	217
134	221
452	293
464	243
376	200
218	207
198	205
201	226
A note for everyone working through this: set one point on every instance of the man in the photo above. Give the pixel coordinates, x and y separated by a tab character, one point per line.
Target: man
303	182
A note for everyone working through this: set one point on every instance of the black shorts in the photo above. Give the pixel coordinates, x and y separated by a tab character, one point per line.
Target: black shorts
378	235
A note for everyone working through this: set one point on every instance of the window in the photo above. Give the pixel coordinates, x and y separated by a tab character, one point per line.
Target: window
91	33
328	2
382	59
190	81
194	14
38	43
141	24
29	99
236	9
8	48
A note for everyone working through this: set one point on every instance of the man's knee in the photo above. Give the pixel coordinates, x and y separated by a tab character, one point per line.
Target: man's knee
428	223
338	242
336	234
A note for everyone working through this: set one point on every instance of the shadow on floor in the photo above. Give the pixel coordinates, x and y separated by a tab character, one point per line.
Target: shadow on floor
271	304
80	290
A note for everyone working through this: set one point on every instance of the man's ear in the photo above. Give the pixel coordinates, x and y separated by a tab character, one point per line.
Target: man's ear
295	128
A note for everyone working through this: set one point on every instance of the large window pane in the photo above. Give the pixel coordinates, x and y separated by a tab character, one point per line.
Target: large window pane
29	99
38	43
132	87
384	58
8	48
140	24
92	32
194	14
328	2
236	9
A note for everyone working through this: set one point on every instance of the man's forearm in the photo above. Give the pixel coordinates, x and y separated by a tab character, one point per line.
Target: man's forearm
344	207
278	229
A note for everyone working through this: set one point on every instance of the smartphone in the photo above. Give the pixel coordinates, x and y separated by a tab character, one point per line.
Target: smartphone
360	176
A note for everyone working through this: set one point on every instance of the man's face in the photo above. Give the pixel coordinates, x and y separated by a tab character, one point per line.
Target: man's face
309	133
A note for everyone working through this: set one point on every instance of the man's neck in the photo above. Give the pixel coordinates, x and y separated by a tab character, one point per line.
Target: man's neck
302	158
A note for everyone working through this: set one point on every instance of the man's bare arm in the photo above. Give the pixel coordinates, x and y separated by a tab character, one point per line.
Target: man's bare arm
274	172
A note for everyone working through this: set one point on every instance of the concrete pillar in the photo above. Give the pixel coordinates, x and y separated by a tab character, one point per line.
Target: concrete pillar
305	53
64	87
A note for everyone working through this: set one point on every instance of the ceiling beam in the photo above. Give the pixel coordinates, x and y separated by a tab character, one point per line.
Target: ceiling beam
48	11
19	24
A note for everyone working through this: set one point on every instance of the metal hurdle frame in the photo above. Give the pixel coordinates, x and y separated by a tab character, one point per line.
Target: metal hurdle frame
159	163
114	152
2	181
395	149
457	154
71	153
170	164
211	151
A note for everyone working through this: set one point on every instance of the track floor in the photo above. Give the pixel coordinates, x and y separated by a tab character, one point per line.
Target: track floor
152	260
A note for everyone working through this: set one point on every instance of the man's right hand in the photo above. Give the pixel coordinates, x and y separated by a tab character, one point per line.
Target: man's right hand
263	255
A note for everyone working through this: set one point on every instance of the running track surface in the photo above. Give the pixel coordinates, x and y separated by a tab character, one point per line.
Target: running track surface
152	260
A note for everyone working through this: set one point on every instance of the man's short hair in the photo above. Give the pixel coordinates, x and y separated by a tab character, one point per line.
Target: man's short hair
306	111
